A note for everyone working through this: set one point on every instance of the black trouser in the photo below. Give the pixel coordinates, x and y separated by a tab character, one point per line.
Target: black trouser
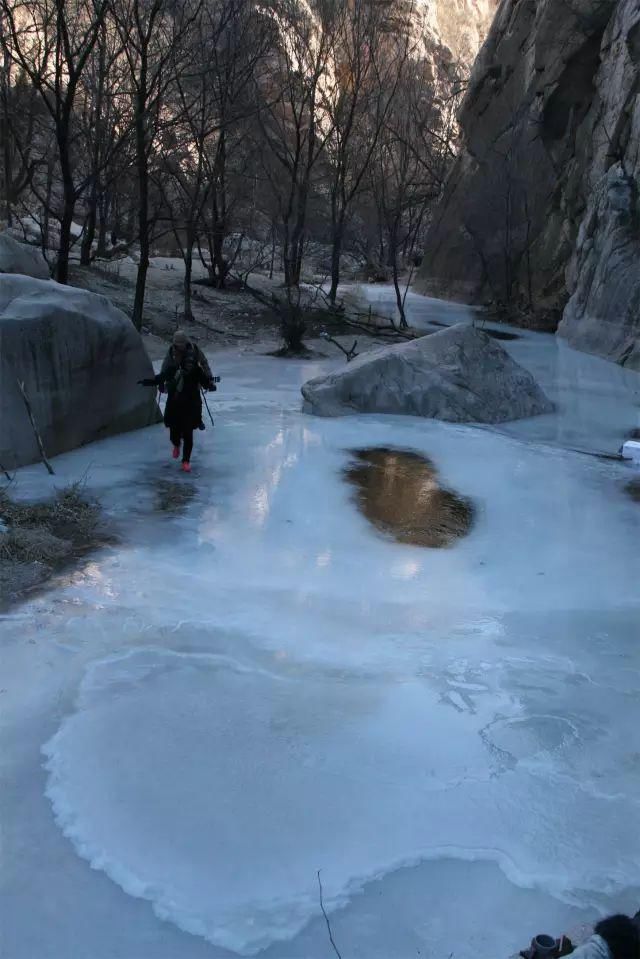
180	434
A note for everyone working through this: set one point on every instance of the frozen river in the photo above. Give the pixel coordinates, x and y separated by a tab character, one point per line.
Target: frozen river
254	685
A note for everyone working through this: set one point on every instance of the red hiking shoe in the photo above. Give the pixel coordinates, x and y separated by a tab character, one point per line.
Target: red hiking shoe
186	467
176	452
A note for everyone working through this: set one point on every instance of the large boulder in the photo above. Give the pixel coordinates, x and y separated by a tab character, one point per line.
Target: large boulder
19	258
459	374
79	359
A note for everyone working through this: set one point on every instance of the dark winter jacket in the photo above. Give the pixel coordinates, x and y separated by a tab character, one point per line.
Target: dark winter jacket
182	375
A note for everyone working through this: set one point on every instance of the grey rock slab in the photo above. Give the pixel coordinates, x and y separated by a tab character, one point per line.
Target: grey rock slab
459	375
79	359
20	258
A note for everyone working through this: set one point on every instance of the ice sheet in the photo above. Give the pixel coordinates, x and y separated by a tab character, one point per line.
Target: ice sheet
216	789
259	685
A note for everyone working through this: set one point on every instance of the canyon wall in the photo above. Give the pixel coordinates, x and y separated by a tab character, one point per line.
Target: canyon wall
540	213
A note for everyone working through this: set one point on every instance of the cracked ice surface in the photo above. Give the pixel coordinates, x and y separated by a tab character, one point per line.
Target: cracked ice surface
260	686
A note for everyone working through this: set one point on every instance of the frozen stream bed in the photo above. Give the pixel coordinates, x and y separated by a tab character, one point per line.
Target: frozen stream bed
255	685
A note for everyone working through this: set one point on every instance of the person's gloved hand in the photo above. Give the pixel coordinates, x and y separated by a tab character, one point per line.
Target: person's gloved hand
211	387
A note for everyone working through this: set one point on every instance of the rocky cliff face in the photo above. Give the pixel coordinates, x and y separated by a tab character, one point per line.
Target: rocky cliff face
459	25
541	211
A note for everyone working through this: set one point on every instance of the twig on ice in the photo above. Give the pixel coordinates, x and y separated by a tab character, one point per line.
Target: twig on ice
326	919
35	428
350	354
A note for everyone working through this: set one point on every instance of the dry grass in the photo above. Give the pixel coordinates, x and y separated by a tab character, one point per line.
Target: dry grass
29	545
172	496
39	538
71	516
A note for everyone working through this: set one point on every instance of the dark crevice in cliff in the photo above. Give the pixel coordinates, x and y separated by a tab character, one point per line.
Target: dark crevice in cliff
569	103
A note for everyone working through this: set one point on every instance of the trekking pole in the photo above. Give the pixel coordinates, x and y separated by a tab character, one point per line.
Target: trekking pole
207	405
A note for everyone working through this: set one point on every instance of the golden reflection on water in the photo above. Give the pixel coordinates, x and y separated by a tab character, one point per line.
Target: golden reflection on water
399	493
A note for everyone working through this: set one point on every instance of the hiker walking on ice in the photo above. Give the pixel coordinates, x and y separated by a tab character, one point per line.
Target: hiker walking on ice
185	370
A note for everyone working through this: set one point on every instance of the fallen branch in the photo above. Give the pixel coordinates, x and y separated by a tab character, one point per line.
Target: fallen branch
35	428
350	354
384	332
326	919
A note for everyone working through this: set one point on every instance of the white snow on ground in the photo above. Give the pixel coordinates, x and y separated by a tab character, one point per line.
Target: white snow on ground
260	686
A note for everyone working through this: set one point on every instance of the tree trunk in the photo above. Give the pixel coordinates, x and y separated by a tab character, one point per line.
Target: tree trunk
296	245
273	250
4	134
188	270
287	256
68	208
7	165
299	255
211	270
103	209
143	200
393	256
64	250
46	213
63	127
336	251
141	282
219	204
298	237
89	229
92	217
219	265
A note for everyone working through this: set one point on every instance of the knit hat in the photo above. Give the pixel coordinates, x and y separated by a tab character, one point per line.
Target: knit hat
180	338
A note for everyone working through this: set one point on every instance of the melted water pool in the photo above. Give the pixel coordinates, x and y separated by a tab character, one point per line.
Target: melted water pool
399	493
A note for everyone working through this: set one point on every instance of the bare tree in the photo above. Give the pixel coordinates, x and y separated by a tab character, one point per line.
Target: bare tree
52	41
293	126
368	66
413	156
212	105
104	119
155	41
20	107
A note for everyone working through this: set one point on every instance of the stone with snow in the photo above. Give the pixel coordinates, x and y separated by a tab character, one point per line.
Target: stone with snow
79	359
459	375
20	258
